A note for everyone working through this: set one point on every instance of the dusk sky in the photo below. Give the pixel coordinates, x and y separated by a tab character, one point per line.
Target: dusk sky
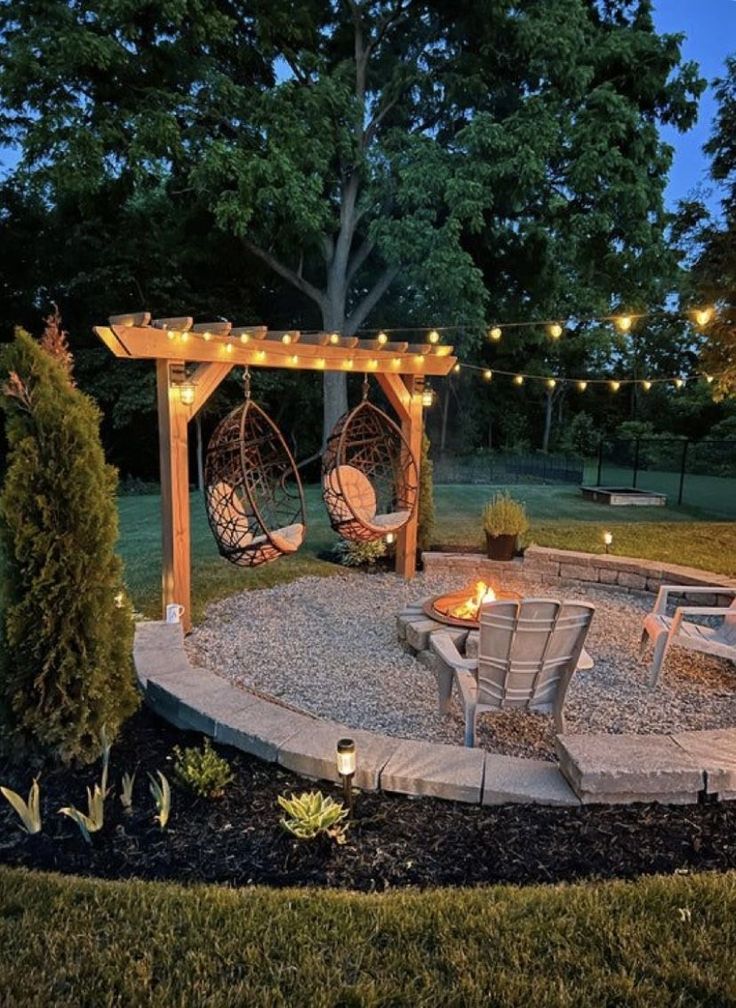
710	29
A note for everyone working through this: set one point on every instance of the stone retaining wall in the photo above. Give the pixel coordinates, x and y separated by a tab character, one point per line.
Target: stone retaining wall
570	567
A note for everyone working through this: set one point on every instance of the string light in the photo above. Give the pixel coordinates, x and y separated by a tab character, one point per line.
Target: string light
518	379
703	316
456	369
207	336
708	378
495	334
228	348
320	362
623	323
184	336
244	337
419	360
396	362
615	385
294	359
382	338
334	338
555	330
434	337
170	334
551	383
679	382
349	362
260	355
646	385
286	338
373	363
488	374
581	386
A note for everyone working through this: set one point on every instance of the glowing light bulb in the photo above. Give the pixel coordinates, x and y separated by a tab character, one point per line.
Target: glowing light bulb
244	337
419	360
206	336
320	362
555	330
427	396
646	385
260	355
349	362
703	316
551	382
518	379
382	338
373	363
396	362
456	369
615	386
434	337
488	374
623	323
171	334
228	348
581	386
495	334
184	336
186	393
679	382
286	338
294	359
708	378
334	338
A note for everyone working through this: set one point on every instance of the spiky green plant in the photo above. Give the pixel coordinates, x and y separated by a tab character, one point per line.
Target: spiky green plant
94	820
29	812
65	642
126	792
312	813
202	770
161	792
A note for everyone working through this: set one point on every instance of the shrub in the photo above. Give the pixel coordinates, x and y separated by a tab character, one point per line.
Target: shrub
425	530
358	554
202	770
504	516
66	627
311	813
581	436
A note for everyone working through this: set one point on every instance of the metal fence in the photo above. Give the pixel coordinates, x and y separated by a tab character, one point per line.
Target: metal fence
693	474
501	468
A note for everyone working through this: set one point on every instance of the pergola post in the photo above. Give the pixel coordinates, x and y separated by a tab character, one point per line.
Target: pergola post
173	417
411	428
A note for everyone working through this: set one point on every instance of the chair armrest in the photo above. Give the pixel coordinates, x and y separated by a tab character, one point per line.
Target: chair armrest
444	647
696	611
665	590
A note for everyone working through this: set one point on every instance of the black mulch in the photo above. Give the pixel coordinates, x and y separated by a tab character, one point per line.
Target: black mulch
393	841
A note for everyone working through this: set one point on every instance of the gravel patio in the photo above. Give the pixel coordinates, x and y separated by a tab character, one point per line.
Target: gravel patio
328	646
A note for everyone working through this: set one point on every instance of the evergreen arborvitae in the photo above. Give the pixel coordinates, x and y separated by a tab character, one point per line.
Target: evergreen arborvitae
425	529
66	625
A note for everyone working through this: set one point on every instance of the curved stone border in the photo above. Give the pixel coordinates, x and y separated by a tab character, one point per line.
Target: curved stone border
597	768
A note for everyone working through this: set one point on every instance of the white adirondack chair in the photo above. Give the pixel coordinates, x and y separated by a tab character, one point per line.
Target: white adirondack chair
664	630
527	654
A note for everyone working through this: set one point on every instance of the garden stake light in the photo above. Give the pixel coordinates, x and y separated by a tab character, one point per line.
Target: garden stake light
608	541
346	768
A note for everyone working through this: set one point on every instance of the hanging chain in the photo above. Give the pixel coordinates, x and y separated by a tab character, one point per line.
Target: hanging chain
246	381
365	386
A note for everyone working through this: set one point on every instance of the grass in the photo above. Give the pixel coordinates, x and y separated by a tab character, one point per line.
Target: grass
560	517
79	942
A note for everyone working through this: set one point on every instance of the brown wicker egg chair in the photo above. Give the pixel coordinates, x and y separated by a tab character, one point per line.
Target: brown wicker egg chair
253	494
370	478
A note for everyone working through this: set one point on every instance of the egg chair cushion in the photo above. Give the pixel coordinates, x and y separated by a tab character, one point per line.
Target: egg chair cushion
390	522
354	492
289	538
223	498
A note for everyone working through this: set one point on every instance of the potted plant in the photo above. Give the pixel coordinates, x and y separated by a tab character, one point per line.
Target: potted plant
504	520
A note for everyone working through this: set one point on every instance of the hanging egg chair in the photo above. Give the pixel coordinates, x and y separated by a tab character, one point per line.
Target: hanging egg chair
370	478
253	494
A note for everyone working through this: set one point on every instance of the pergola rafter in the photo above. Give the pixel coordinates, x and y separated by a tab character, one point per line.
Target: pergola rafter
215	348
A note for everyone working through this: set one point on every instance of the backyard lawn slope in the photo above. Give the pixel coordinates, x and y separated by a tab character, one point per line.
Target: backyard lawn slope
655	942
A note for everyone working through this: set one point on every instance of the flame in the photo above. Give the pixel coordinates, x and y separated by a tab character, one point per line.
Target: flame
468	609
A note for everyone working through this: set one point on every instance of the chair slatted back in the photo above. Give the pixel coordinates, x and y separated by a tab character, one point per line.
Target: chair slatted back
528	650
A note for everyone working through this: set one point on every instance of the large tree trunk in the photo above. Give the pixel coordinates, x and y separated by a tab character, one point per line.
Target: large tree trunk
335	384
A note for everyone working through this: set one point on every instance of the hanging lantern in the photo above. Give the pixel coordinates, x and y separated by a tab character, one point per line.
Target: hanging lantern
428	396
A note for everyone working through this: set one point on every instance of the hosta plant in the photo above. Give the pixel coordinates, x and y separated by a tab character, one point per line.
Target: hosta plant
29	812
311	813
202	770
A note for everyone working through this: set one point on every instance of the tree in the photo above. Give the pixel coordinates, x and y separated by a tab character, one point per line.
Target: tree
582	436
714	241
66	626
370	151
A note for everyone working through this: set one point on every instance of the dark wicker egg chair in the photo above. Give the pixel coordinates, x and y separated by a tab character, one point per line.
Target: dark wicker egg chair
369	475
253	494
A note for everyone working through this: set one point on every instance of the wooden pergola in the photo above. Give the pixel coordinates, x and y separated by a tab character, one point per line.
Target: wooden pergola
200	356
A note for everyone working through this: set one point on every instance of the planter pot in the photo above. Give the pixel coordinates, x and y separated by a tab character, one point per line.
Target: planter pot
500	547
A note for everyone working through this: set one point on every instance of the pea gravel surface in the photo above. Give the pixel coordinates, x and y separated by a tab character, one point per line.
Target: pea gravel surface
328	646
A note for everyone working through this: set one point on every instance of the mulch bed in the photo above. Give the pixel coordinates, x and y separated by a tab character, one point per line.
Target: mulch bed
394	841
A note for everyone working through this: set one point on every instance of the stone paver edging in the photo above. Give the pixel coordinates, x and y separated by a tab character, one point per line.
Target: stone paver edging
592	768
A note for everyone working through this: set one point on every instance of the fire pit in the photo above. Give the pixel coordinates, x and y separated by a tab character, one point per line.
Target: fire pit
461	608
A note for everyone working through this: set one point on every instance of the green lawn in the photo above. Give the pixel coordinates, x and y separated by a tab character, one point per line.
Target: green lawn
79	943
560	517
